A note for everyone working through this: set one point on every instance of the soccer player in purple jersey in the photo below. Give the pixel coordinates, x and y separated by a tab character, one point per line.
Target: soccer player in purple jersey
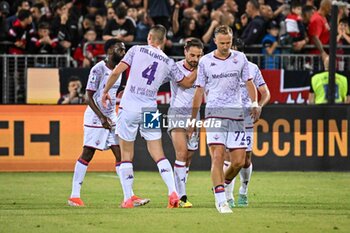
99	122
180	111
220	74
150	67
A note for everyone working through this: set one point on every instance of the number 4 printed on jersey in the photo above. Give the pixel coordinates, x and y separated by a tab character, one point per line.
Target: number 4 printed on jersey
149	72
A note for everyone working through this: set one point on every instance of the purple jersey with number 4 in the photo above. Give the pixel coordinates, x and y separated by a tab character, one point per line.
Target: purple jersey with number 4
149	69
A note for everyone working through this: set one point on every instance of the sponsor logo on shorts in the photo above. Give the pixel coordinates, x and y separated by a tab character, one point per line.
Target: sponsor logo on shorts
216	137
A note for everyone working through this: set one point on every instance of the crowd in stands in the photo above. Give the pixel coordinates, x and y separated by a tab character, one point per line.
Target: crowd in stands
64	26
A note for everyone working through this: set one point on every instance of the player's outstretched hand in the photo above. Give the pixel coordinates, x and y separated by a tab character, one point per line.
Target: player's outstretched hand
255	113
106	122
105	98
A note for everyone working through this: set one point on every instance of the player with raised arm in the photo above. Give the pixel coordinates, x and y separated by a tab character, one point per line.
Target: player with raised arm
219	75
181	110
99	122
246	170
149	68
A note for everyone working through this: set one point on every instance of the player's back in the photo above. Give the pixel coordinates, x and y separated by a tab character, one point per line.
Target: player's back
149	69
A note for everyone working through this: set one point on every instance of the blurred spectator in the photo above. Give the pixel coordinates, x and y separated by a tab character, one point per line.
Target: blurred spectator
187	27
232	6
309	3
100	23
45	10
267	13
120	28
138	4
190	13
19	5
219	10
4	11
74	96
60	25
88	22
110	13
187	30
159	11
73	21
343	12
319	28
255	29
278	7
43	43
203	15
132	15
343	37
307	13
215	20
36	14
319	87
270	43
92	50
295	27
20	32
143	26
95	5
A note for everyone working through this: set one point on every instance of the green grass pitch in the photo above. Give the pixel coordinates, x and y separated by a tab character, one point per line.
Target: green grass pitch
283	202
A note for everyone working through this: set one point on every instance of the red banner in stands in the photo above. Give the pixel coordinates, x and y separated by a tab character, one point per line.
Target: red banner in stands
286	87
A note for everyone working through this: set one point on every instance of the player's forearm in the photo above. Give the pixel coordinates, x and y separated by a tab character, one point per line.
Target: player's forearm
346	37
91	102
188	81
145	5
251	91
176	20
347	99
311	99
318	44
128	38
207	36
107	37
265	95
197	101
271	49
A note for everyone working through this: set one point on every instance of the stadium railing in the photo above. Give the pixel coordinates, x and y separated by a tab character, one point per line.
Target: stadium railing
287	59
13	70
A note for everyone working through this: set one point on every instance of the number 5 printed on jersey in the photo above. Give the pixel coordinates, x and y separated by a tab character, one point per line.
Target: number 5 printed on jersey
149	72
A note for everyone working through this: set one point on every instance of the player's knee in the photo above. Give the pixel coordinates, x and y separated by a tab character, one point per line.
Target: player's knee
88	154
247	163
181	155
218	160
248	160
238	163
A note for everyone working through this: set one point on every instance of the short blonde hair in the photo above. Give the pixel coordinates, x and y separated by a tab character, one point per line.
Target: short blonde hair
223	29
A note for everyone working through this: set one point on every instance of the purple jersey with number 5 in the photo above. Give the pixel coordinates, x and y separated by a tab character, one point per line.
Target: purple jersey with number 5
149	69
